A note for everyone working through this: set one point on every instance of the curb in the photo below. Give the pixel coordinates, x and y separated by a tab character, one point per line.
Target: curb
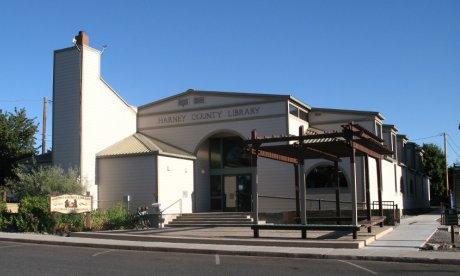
242	252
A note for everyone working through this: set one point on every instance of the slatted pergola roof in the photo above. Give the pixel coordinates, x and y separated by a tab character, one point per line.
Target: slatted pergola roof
331	146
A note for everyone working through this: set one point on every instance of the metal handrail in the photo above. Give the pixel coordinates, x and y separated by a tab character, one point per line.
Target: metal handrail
172	204
309	199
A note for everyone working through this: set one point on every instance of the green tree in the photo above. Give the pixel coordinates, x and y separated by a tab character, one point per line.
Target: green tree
434	165
44	181
17	140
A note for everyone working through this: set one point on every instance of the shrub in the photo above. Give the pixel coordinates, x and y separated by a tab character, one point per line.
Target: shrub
119	218
98	220
4	222
45	181
34	215
113	218
68	222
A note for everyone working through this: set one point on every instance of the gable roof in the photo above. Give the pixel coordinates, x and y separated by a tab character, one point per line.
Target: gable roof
350	111
140	144
228	94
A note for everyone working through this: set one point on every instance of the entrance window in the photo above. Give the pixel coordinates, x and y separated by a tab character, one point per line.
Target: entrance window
323	177
230	175
234	154
228	152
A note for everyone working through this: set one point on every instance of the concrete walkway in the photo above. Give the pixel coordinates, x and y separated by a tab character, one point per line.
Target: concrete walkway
411	234
375	254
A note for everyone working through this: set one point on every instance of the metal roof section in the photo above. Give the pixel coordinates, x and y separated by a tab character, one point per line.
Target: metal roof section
227	94
352	111
140	144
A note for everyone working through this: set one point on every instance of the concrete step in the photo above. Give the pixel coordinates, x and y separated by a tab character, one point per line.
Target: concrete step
212	219
209	225
216	215
208	222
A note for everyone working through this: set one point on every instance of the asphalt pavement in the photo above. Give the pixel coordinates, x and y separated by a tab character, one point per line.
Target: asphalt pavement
39	259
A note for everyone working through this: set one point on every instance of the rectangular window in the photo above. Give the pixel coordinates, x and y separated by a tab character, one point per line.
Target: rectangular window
294	110
198	100
215	153
378	130
393	145
303	115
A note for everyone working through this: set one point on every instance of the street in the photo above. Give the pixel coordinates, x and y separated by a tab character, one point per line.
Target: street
36	259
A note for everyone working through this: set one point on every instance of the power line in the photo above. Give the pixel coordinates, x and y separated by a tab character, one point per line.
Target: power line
18	101
452	140
427	137
452	148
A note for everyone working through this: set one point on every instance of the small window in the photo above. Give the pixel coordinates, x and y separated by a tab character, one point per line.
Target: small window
294	110
393	145
182	102
378	130
198	100
303	115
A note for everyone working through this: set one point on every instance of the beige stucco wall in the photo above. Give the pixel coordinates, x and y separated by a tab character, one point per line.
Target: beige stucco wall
129	175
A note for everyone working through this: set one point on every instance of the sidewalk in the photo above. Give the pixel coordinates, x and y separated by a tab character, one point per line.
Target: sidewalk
373	254
411	234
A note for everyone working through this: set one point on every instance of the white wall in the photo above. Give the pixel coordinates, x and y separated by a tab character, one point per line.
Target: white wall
106	118
175	181
86	119
121	176
391	183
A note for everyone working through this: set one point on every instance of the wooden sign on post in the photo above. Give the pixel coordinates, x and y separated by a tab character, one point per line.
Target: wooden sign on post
71	204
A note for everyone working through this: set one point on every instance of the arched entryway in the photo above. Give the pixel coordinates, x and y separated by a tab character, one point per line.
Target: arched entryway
224	174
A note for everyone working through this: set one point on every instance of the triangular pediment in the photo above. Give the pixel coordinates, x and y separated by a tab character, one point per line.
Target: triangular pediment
196	99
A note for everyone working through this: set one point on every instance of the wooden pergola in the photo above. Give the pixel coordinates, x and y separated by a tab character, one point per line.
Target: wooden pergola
352	141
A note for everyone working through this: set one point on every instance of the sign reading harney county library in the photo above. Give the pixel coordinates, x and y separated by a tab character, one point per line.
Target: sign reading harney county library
67	204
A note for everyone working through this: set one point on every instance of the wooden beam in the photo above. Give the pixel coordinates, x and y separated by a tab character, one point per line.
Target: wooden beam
293	138
323	154
273	156
366	150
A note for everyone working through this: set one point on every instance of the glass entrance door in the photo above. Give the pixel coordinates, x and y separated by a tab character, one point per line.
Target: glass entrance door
244	192
237	193
230	193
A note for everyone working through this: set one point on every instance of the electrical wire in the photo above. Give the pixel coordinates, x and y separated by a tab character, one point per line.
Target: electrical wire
452	148
452	140
427	137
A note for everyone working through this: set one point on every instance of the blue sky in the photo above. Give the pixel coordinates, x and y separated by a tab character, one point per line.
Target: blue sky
401	58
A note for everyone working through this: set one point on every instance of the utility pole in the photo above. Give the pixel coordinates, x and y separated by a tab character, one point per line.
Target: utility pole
45	110
447	163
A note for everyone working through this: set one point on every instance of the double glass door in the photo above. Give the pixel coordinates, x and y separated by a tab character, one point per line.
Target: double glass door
231	193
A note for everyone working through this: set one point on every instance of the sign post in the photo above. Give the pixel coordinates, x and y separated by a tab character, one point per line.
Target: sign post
451	218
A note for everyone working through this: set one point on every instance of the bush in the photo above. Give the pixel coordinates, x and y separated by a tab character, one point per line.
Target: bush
34	215
4	221
113	218
64	223
119	218
45	181
98	220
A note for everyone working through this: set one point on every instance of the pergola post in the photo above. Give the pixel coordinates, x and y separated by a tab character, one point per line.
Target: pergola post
379	185
354	207
337	191
297	192
254	182
368	193
303	205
